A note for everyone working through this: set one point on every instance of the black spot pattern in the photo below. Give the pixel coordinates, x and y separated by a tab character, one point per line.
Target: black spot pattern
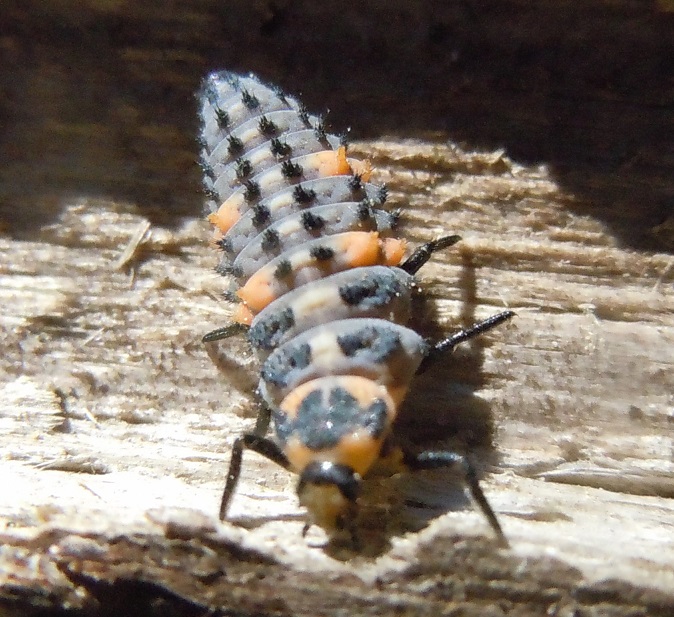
235	145
371	291
312	222
252	192
293	357
379	343
249	100
291	170
279	148
320	424
322	253
283	269
266	333
267	127
222	117
243	168
270	240
261	215
303	196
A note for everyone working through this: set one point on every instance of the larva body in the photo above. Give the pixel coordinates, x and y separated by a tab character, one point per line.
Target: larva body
324	290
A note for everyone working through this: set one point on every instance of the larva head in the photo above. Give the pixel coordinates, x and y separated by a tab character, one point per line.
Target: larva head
329	491
332	430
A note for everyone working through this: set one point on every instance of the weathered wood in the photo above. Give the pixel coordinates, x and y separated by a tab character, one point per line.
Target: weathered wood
115	423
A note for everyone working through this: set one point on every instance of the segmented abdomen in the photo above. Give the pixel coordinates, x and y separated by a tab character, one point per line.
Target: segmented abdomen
307	241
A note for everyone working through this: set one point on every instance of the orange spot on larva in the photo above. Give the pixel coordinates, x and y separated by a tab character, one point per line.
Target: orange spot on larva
362	169
225	217
359	451
242	314
394	251
333	162
257	292
361	248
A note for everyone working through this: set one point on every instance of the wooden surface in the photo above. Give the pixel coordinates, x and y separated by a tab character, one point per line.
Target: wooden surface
116	421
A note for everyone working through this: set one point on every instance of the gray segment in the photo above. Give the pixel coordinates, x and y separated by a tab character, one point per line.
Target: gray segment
310	224
251	137
263	156
319	250
373	291
329	190
385	352
268	183
262	159
224	92
301	265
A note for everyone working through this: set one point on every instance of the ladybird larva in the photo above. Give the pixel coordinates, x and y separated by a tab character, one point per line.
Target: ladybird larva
324	289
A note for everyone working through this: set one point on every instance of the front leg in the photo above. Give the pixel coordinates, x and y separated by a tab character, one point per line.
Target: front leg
263	420
256	443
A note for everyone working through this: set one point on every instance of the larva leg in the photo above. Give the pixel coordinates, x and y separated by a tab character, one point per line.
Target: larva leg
263	420
225	332
444	458
422	254
256	443
446	345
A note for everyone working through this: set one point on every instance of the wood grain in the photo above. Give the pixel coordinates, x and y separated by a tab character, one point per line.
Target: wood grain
116	421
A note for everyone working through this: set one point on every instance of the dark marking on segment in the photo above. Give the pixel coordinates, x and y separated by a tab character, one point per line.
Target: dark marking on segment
261	215
270	240
291	170
252	191
312	222
356	183
345	413
303	196
283	269
279	365
243	168
235	145
225	244
379	343
322	253
267	127
364	210
222	118
303	114
266	333
321	135
249	100
371	292
212	194
207	170
279	148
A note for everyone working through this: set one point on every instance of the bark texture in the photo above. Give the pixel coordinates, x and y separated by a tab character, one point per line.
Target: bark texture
540	132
